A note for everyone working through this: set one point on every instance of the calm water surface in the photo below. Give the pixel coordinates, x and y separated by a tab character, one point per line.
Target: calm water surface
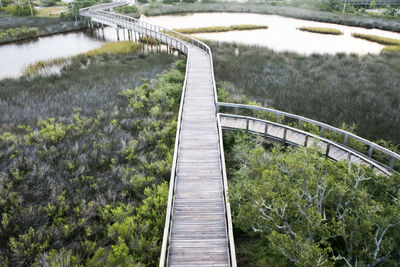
15	57
282	35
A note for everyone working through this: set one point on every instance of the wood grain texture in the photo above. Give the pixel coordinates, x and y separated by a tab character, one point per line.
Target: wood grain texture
198	230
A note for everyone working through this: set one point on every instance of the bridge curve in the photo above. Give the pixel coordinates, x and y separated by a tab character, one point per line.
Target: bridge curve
198	227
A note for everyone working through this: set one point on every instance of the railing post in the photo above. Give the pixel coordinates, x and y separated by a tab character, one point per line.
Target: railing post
322	132
370	150
328	147
236	110
276	117
247	125
266	130
284	135
299	124
345	139
306	141
391	165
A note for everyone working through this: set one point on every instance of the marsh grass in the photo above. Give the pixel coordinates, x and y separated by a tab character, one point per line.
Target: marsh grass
377	39
321	30
242	27
87	83
356	90
123	48
391	48
273	9
46	67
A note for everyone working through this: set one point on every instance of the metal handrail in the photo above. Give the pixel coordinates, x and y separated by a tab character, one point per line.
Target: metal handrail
307	135
323	126
163	34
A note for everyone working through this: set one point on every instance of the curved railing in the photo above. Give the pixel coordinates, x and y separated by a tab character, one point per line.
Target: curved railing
182	43
298	120
282	133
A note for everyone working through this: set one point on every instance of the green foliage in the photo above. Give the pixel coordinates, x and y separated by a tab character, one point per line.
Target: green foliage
299	206
91	190
47	3
127	9
20	10
16	33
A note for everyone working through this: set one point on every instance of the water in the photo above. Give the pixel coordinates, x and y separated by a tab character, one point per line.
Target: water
15	57
282	33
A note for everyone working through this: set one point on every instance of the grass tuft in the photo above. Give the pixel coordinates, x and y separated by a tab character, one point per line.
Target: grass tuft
391	48
115	48
321	30
244	27
377	39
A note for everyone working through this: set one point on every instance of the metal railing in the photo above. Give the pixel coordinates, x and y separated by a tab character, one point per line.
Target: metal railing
322	127
307	137
180	42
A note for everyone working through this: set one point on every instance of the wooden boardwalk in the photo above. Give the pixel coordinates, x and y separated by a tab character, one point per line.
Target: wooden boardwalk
199	232
296	137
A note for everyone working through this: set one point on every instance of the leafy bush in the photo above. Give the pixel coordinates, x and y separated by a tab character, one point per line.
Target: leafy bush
127	9
18	10
298	208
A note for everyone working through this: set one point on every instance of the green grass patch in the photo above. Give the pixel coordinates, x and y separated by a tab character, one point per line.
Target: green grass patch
391	48
377	39
244	27
116	48
321	30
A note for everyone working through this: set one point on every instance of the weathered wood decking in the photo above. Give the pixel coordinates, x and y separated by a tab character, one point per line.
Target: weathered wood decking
198	231
197	234
298	137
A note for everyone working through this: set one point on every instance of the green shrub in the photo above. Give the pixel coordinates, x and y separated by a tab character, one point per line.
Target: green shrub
298	208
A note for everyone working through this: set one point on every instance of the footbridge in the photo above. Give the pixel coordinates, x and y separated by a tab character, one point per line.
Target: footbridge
198	226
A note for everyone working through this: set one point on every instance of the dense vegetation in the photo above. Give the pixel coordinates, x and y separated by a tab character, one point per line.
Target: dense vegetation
87	187
294	207
17	29
321	30
357	90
